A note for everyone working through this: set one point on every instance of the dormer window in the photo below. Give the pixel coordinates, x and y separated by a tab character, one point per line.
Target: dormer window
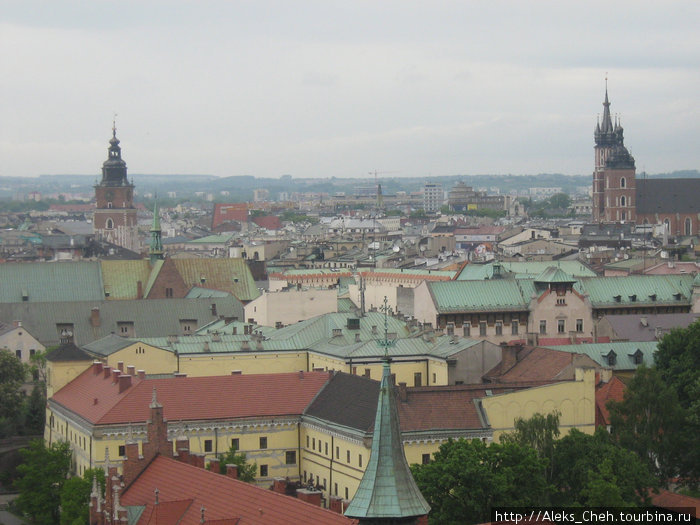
637	357
618	298
652	297
633	298
677	296
611	358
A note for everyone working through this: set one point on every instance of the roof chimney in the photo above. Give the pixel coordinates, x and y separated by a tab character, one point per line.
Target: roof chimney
120	366
115	375
95	317
97	367
141	374
107	371
232	471
131	370
124	382
402	392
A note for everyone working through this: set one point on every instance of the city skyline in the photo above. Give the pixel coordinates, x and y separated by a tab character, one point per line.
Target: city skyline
323	89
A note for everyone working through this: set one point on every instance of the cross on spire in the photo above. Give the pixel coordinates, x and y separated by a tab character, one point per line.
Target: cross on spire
386	309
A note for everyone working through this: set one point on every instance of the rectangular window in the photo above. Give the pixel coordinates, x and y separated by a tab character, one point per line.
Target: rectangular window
337	452
346	493
313	444
168	292
417	380
425	459
235	444
543	327
335	488
290	457
18	353
359	459
579	325
514	328
263	471
207	445
561	326
467	329
499	328
326	448
348	456
122	450
307	441
263	442
482	328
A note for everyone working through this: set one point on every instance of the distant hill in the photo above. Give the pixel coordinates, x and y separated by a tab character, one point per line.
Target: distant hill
683	174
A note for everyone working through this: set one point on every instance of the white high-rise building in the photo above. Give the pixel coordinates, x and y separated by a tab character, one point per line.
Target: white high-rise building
433	196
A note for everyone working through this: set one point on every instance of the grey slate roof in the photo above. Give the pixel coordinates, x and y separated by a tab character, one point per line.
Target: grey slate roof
648	327
347	400
44	282
668	196
67	352
151	318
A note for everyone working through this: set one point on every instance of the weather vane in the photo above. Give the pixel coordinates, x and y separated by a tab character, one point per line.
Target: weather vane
386	309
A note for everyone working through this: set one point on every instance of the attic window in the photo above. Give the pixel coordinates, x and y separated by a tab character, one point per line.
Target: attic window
633	298
618	298
611	358
637	357
202	280
677	296
652	296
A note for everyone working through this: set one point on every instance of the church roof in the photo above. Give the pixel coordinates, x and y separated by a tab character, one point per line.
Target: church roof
668	196
387	489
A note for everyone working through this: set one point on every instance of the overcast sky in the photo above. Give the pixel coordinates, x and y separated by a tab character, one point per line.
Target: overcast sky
343	88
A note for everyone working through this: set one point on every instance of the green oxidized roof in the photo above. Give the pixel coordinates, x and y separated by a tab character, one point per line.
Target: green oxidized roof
496	295
472	272
387	489
230	275
638	289
121	277
217	238
624	353
51	282
553	274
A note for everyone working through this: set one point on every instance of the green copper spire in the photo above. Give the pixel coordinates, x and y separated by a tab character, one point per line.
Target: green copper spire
387	491
155	251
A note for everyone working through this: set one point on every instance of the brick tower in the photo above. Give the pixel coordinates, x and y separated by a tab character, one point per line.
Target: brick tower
614	174
115	215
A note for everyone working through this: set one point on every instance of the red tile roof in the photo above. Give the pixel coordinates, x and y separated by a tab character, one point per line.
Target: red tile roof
443	408
672	501
537	364
98	400
613	389
185	489
269	222
229	212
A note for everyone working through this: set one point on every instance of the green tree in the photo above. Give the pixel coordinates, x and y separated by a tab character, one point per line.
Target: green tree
559	201
678	361
12	374
539	432
75	497
42	475
246	471
467	478
591	470
35	411
649	421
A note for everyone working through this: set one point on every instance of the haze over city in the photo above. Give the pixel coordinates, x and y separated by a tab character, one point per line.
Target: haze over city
322	89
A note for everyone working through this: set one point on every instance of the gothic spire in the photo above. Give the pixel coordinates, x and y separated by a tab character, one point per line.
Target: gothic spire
387	491
155	251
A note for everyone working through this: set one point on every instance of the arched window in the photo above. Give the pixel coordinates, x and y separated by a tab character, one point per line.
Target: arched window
623	200
623	183
667	224
688	226
109	204
110	224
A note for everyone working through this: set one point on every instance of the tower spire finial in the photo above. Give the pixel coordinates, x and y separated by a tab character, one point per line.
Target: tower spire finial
114	125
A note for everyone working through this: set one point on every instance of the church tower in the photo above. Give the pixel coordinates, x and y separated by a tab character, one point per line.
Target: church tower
614	173
115	215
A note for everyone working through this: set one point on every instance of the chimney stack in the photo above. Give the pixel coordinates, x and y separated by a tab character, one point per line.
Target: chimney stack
141	374
131	370
115	375
107	371
124	382
232	471
95	317
97	367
